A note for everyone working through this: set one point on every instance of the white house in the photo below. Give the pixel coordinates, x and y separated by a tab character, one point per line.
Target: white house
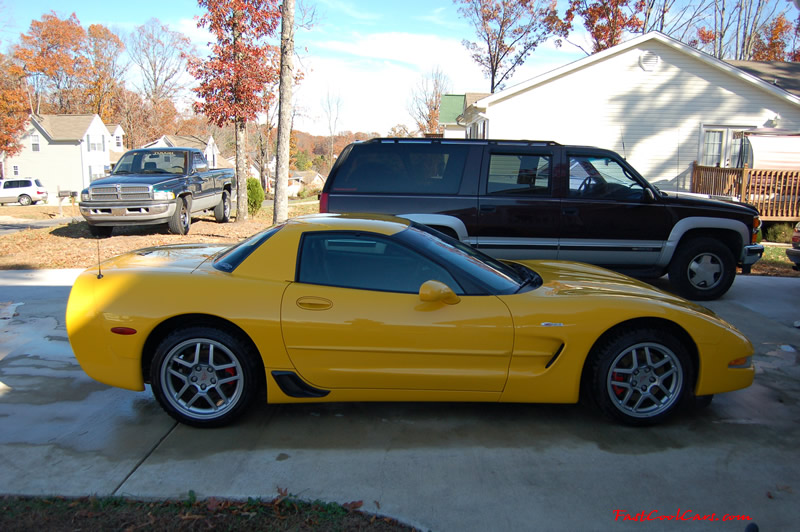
65	152
117	142
658	102
208	147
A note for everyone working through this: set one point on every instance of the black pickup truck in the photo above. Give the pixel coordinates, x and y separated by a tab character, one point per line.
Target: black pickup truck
544	200
158	186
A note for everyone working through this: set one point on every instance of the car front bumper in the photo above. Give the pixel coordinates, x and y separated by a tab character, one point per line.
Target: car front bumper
110	214
794	255
751	254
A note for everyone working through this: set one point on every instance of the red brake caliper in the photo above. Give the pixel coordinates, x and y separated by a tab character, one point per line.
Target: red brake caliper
617	377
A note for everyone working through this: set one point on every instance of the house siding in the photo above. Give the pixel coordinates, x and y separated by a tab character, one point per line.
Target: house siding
657	114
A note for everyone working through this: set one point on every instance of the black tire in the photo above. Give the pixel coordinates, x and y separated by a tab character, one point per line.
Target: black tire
181	219
222	212
702	269
100	231
204	376
24	200
640	376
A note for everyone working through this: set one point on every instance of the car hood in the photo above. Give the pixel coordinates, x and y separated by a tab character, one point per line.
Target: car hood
178	257
135	179
703	200
584	280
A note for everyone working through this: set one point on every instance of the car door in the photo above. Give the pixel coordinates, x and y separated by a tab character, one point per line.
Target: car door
609	216
518	211
8	192
354	319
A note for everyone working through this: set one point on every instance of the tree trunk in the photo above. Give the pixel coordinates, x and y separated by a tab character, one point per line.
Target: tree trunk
241	171
281	211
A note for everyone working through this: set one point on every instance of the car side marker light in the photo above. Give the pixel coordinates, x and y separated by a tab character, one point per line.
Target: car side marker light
125	331
739	363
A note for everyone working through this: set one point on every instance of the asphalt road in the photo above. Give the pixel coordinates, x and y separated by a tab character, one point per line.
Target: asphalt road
437	466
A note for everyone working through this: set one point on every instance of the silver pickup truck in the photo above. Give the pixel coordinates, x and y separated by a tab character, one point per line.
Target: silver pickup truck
158	186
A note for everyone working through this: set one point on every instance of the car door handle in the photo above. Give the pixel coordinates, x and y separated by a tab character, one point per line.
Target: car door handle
570	211
488	208
314	303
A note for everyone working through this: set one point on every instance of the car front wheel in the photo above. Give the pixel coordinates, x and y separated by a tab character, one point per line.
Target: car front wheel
640	376
702	269
204	377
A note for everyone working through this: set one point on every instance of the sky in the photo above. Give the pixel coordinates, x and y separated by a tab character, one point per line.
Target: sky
371	54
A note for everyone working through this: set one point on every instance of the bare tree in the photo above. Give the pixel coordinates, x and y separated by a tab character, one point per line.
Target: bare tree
736	26
161	55
331	106
281	209
679	20
426	98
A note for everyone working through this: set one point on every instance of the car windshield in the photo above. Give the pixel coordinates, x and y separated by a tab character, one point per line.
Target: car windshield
152	162
499	277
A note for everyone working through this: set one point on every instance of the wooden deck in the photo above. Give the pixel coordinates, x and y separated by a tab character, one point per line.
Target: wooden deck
776	193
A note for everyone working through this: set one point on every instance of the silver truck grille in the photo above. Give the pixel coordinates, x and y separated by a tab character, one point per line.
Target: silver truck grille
121	192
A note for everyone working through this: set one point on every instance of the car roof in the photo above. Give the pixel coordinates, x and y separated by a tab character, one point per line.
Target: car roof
373	223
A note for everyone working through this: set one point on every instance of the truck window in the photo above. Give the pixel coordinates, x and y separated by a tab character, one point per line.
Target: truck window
527	175
402	169
601	178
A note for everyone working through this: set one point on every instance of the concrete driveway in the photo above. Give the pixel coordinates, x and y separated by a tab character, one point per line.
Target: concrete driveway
437	466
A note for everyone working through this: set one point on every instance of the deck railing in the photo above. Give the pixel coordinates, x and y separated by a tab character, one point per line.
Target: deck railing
776	193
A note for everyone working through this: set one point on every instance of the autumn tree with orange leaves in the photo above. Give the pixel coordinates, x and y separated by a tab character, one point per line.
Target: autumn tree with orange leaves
508	32
773	43
13	107
607	21
102	77
233	78
52	57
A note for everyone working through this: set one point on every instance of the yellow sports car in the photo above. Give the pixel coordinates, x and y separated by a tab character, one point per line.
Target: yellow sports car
370	308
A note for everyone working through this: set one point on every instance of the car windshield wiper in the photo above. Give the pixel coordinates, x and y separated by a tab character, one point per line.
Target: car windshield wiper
121	172
529	277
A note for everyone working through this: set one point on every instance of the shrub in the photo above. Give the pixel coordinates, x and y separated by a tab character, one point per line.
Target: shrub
779	232
255	196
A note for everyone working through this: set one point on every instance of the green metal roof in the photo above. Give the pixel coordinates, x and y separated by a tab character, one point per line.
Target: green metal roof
451	107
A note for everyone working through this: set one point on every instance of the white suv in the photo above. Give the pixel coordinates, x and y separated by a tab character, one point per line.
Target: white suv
26	191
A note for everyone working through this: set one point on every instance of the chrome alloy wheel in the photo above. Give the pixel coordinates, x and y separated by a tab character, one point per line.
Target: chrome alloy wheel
645	380
705	271
201	378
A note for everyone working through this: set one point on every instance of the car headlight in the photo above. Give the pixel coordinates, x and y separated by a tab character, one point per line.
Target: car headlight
84	195
163	195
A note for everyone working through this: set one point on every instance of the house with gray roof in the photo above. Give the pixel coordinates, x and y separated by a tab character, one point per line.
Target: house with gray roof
65	152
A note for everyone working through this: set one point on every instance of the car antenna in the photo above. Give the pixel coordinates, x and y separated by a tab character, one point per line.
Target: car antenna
99	271
622	138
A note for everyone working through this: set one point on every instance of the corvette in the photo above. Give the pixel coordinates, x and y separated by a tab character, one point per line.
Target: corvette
373	308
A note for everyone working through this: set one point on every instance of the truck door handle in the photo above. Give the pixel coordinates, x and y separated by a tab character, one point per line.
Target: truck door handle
488	208
570	211
314	303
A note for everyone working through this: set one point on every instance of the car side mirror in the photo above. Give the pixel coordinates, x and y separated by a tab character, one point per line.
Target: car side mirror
436	291
648	196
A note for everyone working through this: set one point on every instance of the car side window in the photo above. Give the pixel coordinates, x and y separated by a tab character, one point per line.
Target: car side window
601	178
366	262
524	175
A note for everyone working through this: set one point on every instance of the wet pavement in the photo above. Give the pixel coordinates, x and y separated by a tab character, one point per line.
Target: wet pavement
446	466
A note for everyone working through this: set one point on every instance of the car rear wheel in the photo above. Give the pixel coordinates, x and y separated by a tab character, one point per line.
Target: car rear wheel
702	269
204	377
24	200
181	219
640	376
222	212
100	231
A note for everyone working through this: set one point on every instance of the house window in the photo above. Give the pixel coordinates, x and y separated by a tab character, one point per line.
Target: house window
34	142
88	143
119	141
722	146
16	170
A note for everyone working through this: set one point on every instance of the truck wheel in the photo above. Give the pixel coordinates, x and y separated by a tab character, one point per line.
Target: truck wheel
100	231
222	212
181	219
702	269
